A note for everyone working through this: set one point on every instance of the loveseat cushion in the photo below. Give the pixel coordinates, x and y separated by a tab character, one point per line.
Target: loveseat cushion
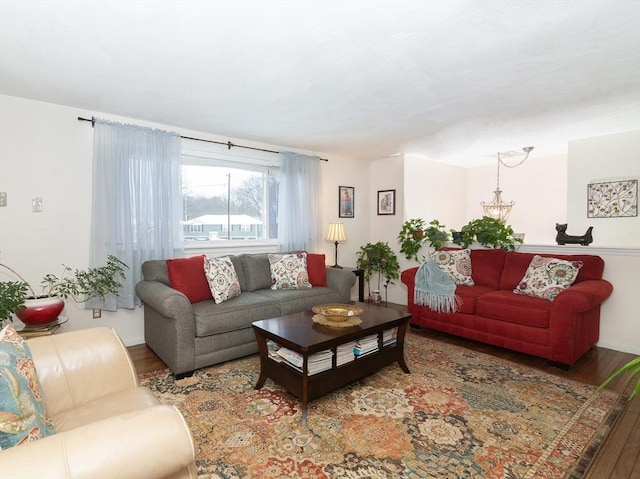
187	275
514	308
222	279
546	278
237	313
469	296
516	265
317	269
289	271
257	272
294	300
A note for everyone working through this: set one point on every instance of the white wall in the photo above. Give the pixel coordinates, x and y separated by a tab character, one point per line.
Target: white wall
538	187
46	152
596	160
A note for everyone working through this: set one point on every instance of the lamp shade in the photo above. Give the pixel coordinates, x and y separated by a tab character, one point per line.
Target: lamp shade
336	232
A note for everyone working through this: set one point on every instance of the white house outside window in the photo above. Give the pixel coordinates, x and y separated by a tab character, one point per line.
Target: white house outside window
228	197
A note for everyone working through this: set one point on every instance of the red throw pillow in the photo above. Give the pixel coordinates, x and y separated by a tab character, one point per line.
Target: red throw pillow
316	269
187	276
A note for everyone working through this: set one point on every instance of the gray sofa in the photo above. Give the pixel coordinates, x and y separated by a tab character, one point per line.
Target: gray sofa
191	336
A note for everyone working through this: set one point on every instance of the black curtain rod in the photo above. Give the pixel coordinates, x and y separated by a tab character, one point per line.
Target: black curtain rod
228	144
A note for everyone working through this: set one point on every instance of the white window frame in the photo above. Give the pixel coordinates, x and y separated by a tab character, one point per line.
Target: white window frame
208	154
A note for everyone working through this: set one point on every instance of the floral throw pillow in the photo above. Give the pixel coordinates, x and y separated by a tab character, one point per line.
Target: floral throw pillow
546	278
289	271
222	279
22	412
456	264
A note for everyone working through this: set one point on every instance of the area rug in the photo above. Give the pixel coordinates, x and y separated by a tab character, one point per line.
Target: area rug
459	414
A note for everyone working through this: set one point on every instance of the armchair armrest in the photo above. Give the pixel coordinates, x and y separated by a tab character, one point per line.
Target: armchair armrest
150	443
80	366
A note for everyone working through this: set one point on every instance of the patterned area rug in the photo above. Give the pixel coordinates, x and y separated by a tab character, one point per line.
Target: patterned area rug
459	414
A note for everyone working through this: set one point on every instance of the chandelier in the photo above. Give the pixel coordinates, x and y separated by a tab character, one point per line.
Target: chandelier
499	209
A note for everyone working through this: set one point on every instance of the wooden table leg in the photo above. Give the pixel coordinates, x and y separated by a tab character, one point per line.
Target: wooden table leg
264	356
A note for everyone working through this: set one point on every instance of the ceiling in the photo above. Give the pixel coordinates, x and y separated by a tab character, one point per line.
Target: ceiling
451	81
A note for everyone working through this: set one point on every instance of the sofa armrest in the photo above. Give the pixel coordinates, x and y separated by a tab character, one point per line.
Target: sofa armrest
153	442
341	280
164	299
80	366
583	296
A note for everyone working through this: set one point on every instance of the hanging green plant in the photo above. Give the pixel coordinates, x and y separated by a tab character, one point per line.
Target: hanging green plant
411	237
415	233
489	232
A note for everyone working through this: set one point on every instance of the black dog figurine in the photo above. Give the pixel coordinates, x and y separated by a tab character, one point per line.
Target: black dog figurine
563	238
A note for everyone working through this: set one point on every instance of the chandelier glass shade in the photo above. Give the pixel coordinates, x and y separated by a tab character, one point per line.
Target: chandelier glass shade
498	208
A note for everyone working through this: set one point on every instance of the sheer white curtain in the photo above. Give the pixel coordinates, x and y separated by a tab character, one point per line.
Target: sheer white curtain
137	204
298	202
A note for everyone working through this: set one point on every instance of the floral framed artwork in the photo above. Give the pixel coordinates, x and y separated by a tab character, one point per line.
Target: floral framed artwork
612	199
387	202
346	201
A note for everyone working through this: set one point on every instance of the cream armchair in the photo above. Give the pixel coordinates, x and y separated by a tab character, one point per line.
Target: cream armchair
106	425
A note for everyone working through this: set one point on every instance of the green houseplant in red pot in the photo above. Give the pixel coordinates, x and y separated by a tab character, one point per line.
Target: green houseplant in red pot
19	298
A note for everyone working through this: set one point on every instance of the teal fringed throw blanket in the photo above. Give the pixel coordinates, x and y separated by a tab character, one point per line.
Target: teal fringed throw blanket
435	289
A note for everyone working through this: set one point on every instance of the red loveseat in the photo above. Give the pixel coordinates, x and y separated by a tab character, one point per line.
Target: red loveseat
561	330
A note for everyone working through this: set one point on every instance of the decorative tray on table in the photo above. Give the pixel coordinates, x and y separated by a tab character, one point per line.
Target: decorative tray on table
337	315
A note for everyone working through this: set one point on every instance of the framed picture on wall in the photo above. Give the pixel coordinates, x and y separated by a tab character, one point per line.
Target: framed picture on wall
612	199
387	202
346	201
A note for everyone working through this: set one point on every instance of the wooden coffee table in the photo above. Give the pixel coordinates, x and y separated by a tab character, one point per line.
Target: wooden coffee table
298	332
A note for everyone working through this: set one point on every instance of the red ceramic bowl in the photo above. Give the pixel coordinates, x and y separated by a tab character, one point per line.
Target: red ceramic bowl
40	311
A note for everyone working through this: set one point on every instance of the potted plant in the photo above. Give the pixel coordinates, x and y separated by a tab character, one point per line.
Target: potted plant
632	368
378	258
415	232
18	297
488	232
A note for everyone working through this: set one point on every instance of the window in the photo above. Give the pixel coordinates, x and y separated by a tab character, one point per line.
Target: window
228	200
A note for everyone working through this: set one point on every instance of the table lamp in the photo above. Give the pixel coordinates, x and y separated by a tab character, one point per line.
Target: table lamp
336	233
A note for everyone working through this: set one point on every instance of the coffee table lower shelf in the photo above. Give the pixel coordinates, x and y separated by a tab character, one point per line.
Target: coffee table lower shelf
309	387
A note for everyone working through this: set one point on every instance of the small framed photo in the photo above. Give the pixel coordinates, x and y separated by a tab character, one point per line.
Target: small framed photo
346	201
387	202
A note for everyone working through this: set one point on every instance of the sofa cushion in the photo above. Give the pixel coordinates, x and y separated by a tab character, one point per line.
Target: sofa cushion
514	308
256	270
487	266
22	412
289	271
237	313
546	278
295	300
468	297
317	269
187	276
456	265
516	265
222	278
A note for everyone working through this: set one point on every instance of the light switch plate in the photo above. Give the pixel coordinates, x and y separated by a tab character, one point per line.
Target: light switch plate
36	205
3	199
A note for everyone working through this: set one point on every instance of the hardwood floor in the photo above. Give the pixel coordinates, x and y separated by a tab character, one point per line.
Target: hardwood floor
619	456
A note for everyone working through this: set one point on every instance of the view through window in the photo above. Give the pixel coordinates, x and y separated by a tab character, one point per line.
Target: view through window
223	202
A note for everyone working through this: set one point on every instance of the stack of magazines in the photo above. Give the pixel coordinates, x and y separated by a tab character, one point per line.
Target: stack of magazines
315	363
389	337
366	345
344	353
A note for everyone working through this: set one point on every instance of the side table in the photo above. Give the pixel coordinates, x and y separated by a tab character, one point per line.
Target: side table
41	330
360	274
